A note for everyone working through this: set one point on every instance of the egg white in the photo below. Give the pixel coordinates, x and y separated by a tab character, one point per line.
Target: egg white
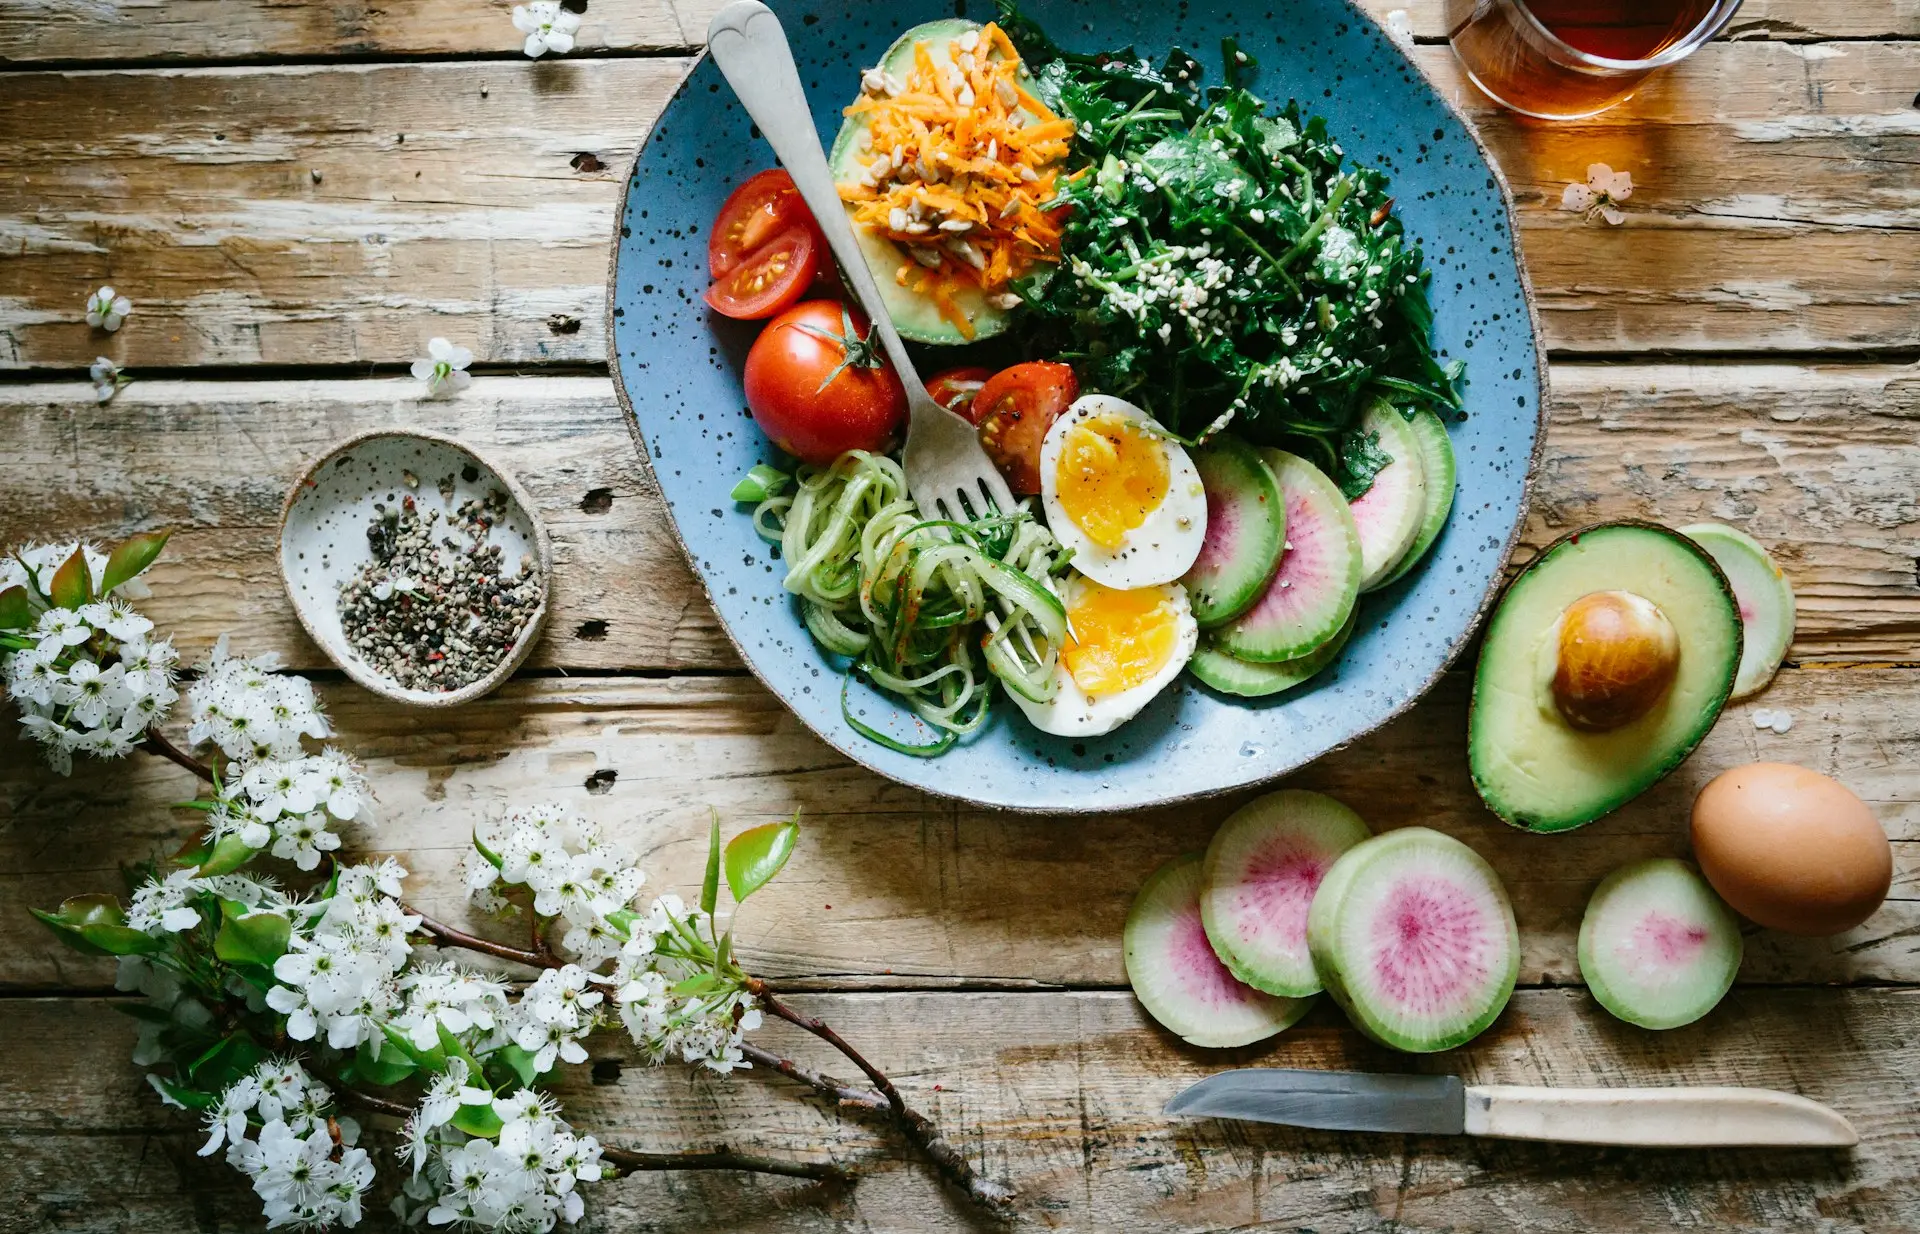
1073	713
1160	549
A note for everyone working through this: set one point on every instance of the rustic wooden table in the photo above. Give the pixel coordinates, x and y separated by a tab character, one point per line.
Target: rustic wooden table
296	194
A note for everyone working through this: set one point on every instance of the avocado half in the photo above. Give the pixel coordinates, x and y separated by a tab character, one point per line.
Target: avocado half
915	316
1534	769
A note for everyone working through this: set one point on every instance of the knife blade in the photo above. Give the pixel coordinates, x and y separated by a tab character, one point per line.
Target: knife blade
1676	1117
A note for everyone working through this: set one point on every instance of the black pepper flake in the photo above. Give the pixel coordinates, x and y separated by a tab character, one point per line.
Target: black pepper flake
437	612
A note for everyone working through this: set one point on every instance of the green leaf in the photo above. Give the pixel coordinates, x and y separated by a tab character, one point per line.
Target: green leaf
710	889
622	919
16	608
133	555
72	582
228	854
225	1061
479	846
698	984
382	1067
97	925
453	1047
434	1060
478	1120
192	1098
251	938
516	1060
756	855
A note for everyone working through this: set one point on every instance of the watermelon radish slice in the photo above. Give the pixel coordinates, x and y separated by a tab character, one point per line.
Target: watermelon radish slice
1413	936
1658	947
1764	596
1437	465
1312	594
1246	530
1390	513
1258	880
1231	675
1177	977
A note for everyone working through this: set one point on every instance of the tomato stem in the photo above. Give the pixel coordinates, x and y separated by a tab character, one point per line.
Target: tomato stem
856	351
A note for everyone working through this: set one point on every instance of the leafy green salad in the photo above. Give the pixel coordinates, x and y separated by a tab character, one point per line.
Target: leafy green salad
1224	266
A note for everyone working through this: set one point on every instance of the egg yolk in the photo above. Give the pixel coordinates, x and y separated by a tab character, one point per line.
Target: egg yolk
1118	639
1110	476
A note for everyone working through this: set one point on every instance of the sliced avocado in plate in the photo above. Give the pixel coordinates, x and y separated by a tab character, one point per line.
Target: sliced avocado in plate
1532	766
915	316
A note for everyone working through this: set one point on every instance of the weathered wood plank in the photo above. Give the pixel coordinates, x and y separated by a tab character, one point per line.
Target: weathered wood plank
1059	1094
448	203
1819	462
213	30
890	882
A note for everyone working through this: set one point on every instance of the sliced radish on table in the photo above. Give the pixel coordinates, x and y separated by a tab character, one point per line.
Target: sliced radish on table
1389	514
1177	977
1412	934
1658	947
1246	530
1441	474
1313	592
1231	675
1261	871
1764	596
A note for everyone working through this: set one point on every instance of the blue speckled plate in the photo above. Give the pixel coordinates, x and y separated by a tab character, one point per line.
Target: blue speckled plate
677	367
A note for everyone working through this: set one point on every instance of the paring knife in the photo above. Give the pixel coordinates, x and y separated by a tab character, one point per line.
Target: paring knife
1442	1105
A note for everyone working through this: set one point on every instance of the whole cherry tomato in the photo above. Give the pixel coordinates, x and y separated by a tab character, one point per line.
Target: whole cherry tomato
818	385
954	388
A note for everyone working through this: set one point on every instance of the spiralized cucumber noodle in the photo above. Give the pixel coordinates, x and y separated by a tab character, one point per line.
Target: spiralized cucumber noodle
919	605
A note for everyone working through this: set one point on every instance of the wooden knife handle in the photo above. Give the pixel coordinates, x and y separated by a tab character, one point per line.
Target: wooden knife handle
1656	1117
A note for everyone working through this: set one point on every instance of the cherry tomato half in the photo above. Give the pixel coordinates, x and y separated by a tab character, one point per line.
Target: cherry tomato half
756	212
1014	411
818	385
954	388
768	279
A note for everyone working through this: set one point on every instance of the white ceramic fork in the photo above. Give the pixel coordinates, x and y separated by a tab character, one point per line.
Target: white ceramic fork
948	473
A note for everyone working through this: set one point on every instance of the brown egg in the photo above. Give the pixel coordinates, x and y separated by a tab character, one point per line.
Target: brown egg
1791	849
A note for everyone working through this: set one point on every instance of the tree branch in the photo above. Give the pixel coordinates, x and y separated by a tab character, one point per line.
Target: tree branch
836	1092
917	1127
156	743
631	1162
448	936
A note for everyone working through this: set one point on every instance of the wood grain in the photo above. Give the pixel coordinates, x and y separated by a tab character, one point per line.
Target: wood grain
893	885
214	30
448	202
1819	462
1059	1094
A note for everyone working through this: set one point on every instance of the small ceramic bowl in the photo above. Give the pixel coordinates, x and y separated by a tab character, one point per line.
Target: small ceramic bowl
323	539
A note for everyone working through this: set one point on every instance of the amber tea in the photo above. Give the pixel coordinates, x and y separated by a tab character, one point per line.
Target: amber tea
1564	59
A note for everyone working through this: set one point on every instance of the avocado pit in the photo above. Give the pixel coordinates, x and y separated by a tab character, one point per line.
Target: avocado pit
1616	657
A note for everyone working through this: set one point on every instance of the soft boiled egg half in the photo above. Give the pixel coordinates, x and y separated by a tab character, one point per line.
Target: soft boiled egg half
1121	649
1121	494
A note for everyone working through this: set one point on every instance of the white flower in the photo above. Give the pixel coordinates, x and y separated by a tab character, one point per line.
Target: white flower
298	1179
282	786
344	790
107	379
106	310
445	367
250	710
160	906
445	995
548	27
302	838
448	1092
1600	196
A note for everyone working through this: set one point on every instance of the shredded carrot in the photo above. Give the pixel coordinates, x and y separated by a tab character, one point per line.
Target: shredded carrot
958	151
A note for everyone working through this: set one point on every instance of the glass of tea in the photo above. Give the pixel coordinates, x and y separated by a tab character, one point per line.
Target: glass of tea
1566	59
